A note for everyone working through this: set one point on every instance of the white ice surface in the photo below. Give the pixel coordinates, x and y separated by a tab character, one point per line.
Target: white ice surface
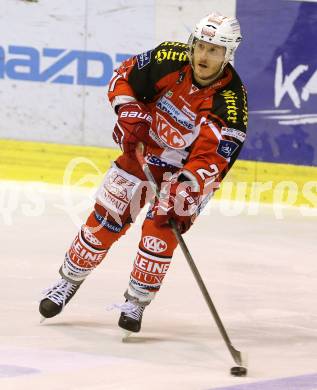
261	273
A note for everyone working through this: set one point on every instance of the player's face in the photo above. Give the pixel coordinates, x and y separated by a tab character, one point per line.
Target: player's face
207	61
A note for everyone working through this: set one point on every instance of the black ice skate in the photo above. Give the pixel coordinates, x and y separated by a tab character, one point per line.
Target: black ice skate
56	297
131	317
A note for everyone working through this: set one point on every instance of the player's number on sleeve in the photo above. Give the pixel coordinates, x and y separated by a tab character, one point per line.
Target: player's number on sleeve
208	175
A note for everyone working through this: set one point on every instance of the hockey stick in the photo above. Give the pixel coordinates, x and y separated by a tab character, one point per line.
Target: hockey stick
236	355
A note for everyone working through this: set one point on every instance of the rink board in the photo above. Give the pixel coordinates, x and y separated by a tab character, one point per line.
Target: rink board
85	166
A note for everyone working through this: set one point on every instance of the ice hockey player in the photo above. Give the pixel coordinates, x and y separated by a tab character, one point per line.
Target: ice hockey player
188	106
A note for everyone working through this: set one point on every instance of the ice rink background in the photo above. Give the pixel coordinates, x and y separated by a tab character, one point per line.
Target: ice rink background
260	271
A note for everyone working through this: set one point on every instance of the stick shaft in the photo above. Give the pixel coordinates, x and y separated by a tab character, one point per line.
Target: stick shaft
236	355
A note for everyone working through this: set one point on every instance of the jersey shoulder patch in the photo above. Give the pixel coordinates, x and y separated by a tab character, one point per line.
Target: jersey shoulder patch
226	149
144	59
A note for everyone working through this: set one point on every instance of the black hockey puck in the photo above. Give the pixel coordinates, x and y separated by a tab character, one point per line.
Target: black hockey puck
238	371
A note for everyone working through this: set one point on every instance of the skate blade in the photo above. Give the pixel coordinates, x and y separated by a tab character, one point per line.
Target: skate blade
125	335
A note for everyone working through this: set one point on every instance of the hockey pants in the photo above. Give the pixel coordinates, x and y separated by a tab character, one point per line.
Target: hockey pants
119	200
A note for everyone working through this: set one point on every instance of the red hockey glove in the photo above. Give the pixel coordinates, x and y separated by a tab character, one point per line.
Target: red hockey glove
133	124
177	201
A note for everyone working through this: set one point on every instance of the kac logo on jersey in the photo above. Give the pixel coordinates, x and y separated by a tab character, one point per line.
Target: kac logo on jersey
169	134
226	149
154	244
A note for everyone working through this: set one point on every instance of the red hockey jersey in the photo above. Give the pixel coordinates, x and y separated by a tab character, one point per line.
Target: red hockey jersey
198	129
